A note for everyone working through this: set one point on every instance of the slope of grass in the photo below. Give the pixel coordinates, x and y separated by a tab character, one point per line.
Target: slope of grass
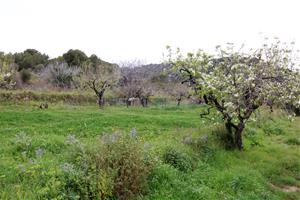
268	165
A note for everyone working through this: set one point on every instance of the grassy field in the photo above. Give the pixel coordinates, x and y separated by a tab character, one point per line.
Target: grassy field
268	168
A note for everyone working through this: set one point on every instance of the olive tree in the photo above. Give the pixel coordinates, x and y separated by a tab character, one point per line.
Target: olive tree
30	59
75	57
237	83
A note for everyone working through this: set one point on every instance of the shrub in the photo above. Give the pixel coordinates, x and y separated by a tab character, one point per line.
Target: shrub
177	159
7	80
253	137
200	143
124	158
25	75
293	141
272	129
61	75
118	168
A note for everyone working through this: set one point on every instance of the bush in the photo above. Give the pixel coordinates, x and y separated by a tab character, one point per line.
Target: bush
177	159
197	143
25	75
61	75
253	137
272	129
118	168
20	96
126	160
7	80
293	141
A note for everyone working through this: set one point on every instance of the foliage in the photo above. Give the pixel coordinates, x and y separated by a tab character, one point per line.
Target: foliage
75	58
237	83
51	97
30	59
177	159
293	141
25	75
61	75
125	158
118	168
271	128
6	80
7	71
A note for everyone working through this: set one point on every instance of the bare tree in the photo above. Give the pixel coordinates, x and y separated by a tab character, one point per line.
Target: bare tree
178	91
99	86
133	85
99	79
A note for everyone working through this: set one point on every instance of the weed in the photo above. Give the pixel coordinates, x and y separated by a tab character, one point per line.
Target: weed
177	159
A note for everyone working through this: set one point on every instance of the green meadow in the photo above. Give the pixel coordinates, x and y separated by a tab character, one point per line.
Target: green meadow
188	158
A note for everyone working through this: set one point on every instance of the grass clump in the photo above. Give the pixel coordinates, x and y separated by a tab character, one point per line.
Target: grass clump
178	159
293	141
272	129
223	137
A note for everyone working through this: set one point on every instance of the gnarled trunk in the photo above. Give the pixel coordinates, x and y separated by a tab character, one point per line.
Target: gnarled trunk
144	101
238	136
178	101
100	100
229	136
234	135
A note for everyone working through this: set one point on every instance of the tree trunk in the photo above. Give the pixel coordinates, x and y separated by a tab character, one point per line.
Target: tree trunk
128	103
229	136
234	138
238	136
100	99
144	101
178	101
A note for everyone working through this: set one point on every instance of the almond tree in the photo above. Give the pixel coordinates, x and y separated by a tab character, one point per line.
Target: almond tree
99	79
236	83
133	84
179	91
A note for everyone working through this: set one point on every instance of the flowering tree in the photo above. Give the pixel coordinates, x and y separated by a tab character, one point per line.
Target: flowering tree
236	83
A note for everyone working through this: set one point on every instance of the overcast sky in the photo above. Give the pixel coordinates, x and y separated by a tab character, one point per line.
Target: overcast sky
119	30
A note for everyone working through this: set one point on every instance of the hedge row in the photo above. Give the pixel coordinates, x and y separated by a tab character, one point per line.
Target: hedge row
21	96
72	98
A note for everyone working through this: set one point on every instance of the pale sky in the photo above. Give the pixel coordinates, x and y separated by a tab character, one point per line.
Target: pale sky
118	30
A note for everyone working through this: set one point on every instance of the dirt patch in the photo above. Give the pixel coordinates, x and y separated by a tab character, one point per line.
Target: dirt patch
286	188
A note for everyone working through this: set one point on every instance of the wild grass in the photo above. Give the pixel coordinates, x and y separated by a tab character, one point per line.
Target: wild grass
34	152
